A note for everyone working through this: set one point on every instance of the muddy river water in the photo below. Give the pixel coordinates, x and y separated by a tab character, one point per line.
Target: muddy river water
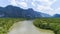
27	27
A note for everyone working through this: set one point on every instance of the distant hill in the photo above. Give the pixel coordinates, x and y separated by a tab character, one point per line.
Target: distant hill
13	11
56	15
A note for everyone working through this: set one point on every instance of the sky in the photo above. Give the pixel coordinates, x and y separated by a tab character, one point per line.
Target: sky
50	7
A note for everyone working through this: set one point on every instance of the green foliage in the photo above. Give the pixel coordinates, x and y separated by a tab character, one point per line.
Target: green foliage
48	23
6	23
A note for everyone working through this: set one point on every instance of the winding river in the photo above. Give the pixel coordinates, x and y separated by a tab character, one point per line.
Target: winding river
27	27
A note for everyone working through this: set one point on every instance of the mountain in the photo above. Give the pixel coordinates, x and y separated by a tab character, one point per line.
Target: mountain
13	11
45	15
56	15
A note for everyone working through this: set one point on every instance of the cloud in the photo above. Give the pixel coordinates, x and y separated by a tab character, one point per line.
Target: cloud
13	2
19	3
33	3
45	6
46	2
22	4
57	10
40	7
46	9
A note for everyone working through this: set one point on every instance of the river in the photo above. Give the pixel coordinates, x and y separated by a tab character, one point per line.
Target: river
27	27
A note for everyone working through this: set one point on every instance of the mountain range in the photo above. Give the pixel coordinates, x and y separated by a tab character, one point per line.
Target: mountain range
14	11
56	15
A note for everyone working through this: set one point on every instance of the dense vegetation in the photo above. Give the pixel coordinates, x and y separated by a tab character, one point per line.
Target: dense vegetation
48	23
6	23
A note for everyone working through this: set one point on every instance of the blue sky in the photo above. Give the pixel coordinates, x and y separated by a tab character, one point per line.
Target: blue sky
46	6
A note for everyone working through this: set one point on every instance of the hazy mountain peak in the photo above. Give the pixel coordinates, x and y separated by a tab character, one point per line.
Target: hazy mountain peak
13	11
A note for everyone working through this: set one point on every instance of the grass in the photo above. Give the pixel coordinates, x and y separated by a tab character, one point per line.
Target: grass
48	23
6	23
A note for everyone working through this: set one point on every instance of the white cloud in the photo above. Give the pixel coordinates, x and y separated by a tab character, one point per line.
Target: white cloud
22	4
57	10
47	2
50	11
33	3
40	7
45	7
13	2
43	0
23	0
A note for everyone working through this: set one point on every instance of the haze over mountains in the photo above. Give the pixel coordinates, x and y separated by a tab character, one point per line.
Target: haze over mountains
13	11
